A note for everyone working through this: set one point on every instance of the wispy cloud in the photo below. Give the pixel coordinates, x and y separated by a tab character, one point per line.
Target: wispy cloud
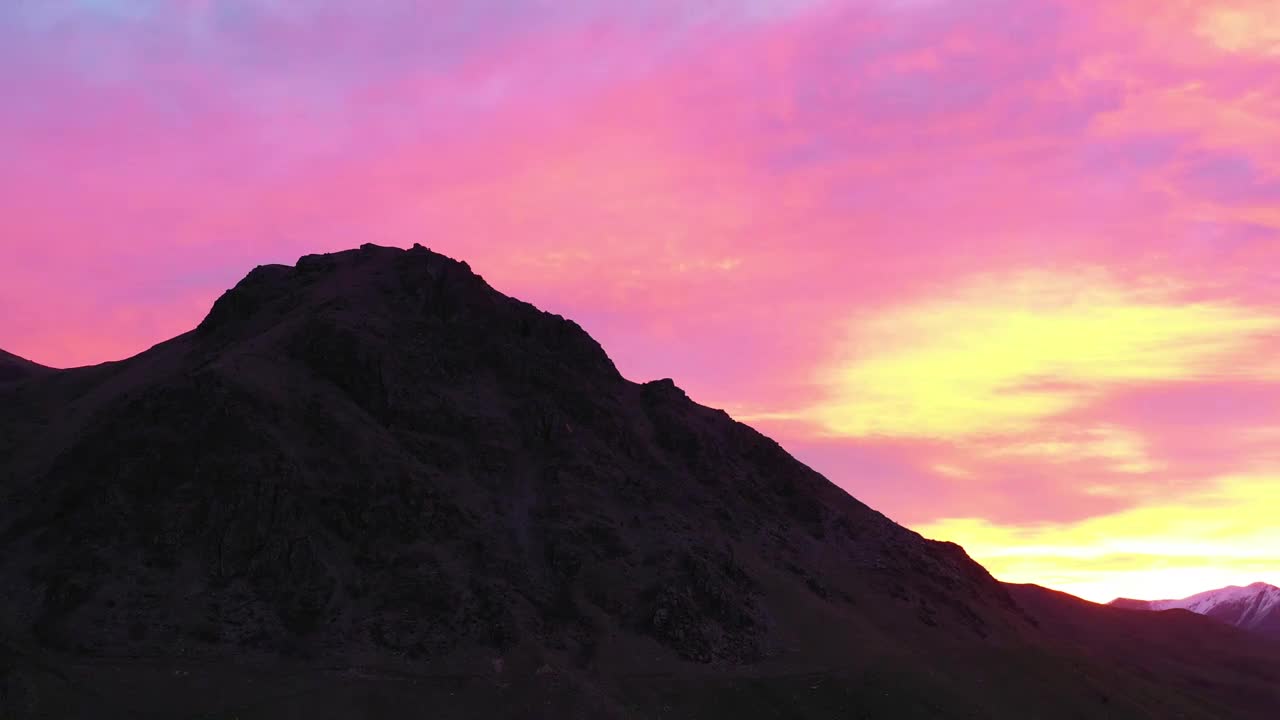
1003	354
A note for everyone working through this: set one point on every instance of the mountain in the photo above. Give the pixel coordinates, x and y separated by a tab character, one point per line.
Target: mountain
370	484
13	368
1255	607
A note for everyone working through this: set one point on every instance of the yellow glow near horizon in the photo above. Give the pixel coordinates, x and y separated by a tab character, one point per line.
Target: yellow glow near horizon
1002	354
1226	535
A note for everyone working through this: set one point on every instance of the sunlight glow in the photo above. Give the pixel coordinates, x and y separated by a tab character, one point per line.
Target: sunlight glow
1170	549
1002	354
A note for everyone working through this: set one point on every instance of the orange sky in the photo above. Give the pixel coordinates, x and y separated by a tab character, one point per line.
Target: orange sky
1004	269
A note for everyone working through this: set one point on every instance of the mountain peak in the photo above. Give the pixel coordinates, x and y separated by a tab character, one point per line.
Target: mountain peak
333	273
370	298
1254	607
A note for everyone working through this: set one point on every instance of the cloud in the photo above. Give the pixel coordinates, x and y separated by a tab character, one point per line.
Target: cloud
1247	27
1123	450
1002	354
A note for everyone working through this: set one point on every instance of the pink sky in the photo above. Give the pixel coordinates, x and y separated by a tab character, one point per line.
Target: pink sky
1004	269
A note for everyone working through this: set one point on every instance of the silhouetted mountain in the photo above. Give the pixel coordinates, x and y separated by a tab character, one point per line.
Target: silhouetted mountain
370	486
1255	607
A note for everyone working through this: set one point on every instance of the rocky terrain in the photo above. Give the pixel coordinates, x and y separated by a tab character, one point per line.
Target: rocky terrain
370	484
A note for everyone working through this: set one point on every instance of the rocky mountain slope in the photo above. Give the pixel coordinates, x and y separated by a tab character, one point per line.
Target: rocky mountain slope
1253	607
369	483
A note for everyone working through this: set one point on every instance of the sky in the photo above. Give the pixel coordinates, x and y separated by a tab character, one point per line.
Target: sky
1006	270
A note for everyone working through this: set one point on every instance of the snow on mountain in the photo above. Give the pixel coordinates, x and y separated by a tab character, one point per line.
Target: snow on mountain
1254	607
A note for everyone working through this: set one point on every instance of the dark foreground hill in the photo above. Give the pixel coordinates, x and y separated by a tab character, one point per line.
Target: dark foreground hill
372	486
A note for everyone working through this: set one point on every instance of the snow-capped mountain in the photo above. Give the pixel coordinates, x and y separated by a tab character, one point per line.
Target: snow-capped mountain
1255	607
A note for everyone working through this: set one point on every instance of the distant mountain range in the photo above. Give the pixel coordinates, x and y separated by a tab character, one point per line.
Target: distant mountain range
372	486
1253	607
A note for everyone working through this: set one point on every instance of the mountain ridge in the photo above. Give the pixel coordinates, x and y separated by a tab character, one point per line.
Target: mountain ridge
372	465
13	368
